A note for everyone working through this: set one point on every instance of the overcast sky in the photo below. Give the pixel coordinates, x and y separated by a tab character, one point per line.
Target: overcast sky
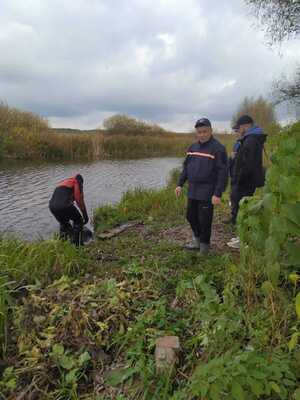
167	61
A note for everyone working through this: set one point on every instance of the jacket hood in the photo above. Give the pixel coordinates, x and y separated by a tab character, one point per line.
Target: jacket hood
256	131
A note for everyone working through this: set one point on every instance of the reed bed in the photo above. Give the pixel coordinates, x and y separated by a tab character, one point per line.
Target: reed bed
46	145
27	136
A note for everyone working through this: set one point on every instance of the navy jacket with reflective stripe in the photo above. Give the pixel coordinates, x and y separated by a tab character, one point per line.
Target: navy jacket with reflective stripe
206	170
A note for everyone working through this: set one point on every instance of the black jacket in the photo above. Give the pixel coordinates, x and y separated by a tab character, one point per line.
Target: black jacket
206	170
248	171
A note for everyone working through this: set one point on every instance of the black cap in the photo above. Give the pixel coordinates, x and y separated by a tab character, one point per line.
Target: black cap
203	122
243	120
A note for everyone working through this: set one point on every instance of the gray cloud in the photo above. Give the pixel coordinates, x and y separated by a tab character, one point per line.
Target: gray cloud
77	62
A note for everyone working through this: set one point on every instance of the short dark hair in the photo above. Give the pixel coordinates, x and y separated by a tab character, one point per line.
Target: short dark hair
79	178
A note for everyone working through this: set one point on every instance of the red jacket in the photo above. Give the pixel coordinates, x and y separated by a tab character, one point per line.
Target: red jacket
73	184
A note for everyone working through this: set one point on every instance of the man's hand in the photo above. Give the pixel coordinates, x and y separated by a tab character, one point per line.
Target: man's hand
178	191
216	200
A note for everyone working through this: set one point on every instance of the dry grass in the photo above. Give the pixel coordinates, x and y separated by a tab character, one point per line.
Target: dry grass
27	136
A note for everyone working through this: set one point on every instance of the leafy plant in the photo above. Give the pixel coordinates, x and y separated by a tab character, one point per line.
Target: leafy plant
244	375
71	369
8	382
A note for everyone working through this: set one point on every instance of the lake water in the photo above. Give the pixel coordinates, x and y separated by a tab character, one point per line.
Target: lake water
25	189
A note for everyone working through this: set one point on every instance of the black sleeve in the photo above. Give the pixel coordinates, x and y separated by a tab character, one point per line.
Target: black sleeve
248	155
222	172
183	175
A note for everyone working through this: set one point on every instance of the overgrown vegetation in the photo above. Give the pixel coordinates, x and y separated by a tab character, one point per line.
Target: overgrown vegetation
82	324
123	125
270	225
26	136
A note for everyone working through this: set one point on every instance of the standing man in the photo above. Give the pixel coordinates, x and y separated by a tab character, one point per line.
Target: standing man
206	170
248	172
62	207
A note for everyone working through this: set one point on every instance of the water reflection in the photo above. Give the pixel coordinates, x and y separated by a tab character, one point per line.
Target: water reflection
26	188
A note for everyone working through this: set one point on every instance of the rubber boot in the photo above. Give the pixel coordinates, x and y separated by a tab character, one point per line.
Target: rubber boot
77	235
65	231
204	248
194	245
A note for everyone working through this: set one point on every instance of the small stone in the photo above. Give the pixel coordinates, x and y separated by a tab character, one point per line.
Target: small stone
166	353
174	304
169	342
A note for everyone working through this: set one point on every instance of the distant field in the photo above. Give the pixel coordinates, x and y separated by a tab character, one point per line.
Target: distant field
77	131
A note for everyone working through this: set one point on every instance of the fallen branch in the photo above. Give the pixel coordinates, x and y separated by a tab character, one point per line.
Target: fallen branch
119	229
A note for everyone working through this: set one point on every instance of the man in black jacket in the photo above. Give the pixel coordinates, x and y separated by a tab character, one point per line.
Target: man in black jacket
206	170
248	172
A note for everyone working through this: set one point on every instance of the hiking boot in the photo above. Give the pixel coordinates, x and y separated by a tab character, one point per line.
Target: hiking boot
194	245
204	248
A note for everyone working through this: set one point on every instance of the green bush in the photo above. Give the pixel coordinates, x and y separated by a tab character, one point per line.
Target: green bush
124	125
270	222
269	227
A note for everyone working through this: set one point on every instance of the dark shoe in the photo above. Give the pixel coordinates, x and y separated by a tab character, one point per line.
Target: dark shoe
77	235
194	245
65	231
204	248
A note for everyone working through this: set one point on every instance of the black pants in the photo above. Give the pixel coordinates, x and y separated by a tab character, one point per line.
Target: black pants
200	216
64	216
236	195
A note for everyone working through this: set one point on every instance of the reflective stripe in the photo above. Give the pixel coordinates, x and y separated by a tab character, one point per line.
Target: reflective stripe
195	153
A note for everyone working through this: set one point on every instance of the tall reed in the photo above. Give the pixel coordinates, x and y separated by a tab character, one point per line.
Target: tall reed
27	136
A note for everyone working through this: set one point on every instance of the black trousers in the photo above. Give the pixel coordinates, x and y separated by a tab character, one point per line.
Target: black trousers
64	216
200	216
236	195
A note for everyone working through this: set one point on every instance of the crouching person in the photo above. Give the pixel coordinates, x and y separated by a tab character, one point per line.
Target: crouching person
206	170
61	205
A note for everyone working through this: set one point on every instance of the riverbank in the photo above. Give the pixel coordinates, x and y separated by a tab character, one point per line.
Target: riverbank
83	324
48	145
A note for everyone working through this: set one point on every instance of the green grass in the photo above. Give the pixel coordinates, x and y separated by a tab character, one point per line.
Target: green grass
43	261
86	325
155	206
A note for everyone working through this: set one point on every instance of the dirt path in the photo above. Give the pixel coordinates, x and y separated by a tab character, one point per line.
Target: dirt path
182	234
